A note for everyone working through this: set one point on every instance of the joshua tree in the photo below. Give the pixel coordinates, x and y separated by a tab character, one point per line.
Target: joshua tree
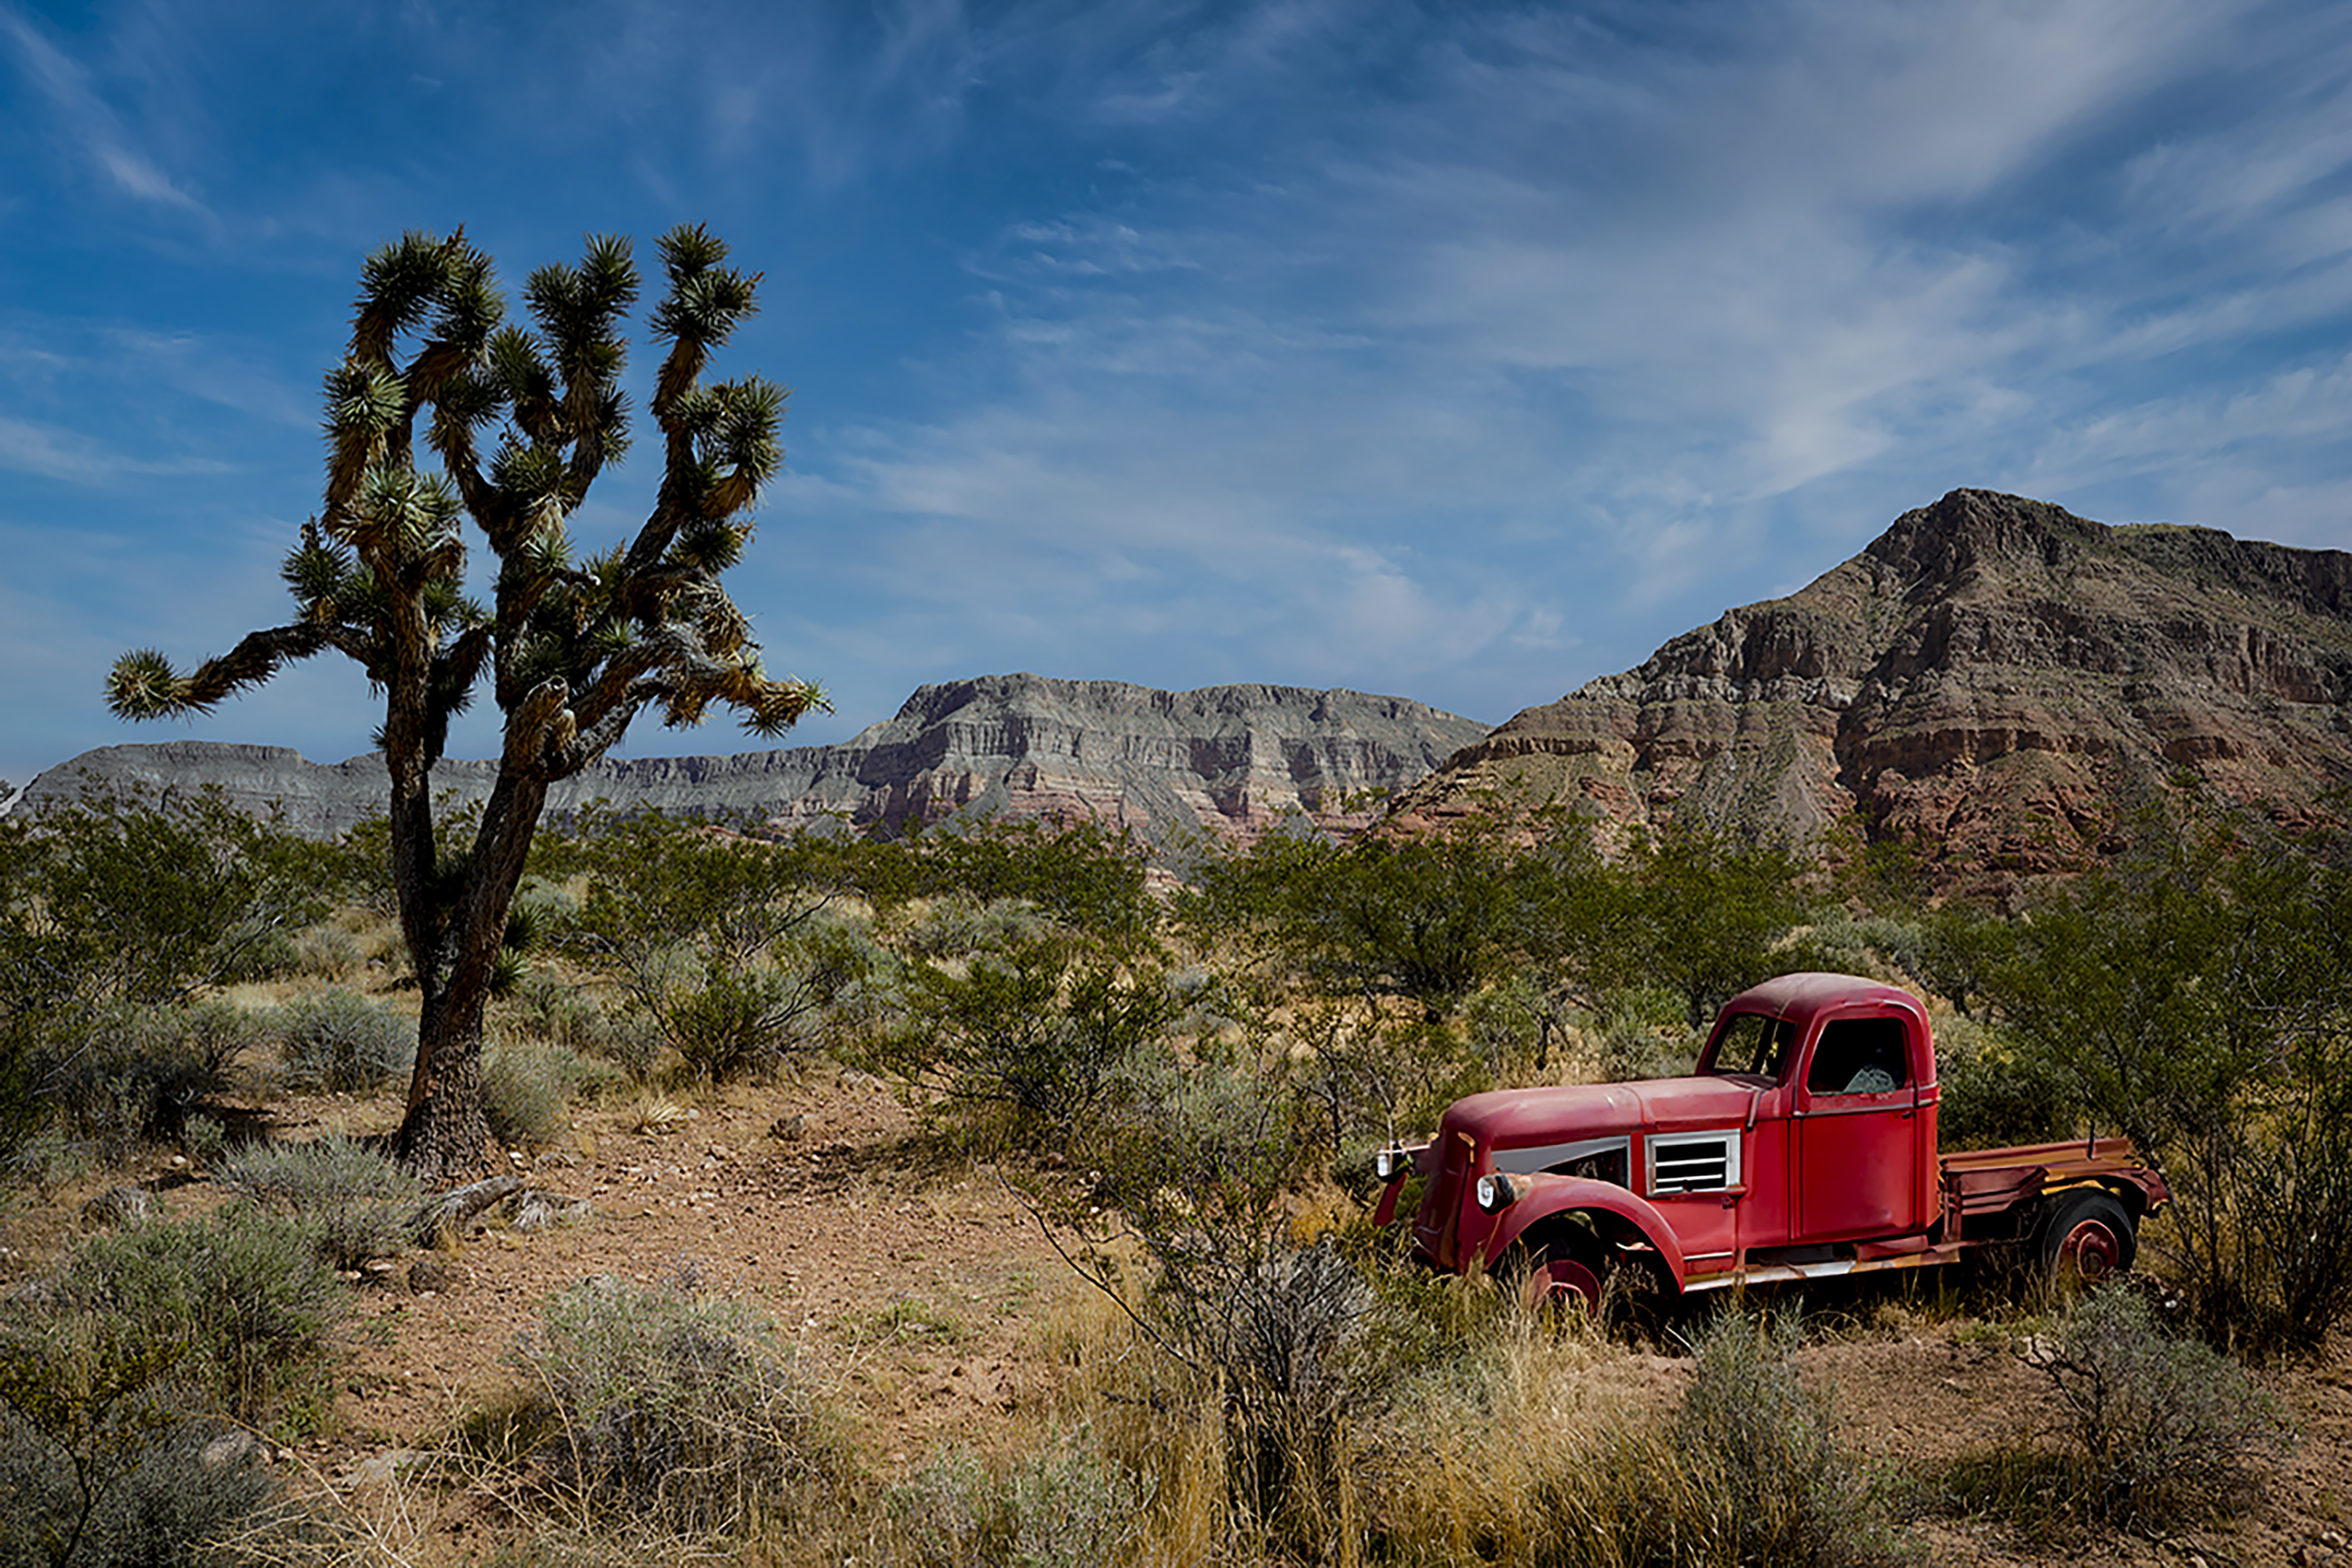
572	649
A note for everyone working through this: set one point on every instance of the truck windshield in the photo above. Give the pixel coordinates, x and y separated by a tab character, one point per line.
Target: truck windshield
1753	1043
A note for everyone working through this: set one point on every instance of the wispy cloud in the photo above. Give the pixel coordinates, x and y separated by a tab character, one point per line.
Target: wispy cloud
1797	248
89	127
53	452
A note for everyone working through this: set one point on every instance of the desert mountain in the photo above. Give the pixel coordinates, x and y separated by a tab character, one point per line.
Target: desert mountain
1229	759
1992	677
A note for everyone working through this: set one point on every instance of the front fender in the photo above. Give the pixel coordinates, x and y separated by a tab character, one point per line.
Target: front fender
1548	1195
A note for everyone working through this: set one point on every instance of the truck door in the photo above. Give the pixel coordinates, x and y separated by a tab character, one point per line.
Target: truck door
1857	1132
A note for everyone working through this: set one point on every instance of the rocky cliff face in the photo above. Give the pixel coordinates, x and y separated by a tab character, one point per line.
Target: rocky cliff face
1228	759
1993	677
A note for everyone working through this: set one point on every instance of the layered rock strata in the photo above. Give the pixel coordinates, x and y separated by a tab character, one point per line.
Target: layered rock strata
1232	760
1993	678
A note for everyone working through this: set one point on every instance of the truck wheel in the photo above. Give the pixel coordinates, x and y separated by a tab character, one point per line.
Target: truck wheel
2087	1238
1561	1273
1566	1281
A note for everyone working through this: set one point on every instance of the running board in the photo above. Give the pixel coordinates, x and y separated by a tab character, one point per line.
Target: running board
1773	1273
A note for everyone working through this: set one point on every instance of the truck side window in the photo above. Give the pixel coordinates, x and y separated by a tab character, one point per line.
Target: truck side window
1860	1055
1754	1043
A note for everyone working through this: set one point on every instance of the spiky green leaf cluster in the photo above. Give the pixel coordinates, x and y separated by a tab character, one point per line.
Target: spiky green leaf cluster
573	646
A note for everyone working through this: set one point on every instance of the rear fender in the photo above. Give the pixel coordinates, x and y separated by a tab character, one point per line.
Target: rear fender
1549	1196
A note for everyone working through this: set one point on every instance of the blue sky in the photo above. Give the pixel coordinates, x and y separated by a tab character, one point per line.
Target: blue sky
1457	352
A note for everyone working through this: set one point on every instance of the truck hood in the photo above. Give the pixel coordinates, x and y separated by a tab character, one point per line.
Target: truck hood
1514	1117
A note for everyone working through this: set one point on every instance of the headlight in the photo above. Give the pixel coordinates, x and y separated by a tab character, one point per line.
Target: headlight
1388	1164
1497	1192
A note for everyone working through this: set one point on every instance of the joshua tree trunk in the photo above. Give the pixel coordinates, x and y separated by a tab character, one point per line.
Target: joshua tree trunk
445	1131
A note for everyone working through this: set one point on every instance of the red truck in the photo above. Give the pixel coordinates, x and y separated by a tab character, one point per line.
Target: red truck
1804	1146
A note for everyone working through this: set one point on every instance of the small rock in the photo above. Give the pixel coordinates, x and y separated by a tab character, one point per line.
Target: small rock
788	1129
532	1209
231	1449
430	1276
381	1470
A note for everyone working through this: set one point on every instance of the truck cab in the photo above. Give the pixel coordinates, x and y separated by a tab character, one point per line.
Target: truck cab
1843	1073
1804	1142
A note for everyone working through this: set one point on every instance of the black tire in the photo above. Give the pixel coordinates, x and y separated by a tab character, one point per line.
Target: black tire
2087	1238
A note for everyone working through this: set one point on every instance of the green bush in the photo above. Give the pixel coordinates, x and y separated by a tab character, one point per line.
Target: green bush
339	1041
527	1093
125	903
1994	1096
2164	1426
952	927
357	1203
1080	877
2198	999
729	949
1746	1472
1070	1507
327	952
1781	1491
240	1307
655	1406
122	1077
1023	1046
102	1465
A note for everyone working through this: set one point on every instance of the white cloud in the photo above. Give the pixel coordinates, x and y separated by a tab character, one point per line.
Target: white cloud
56	452
93	130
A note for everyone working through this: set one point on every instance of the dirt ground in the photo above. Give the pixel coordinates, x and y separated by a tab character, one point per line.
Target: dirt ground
921	1296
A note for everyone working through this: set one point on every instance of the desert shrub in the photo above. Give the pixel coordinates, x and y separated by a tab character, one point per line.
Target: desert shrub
327	952
1021	1047
1364	1077
526	1092
560	1012
1428	918
1516	1026
1776	1486
2199	1000
1275	1339
656	1405
125	903
1070	1507
240	1307
103	1458
1647	1036
1746	1472
1879	946
356	1203
2163	1425
729	948
1994	1095
1079	878
953	926
47	1160
125	1076
339	1040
